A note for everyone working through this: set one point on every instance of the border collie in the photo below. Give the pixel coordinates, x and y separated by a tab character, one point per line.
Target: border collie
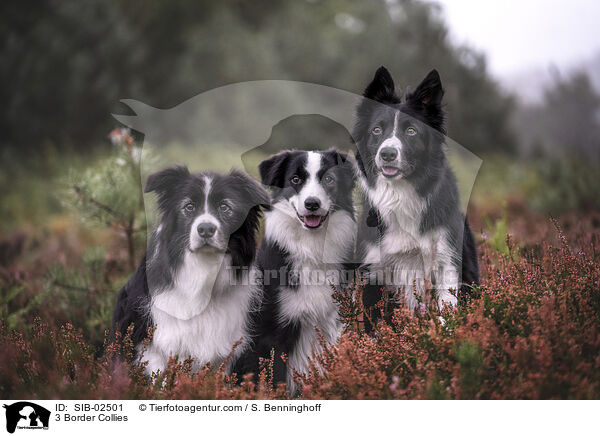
309	236
413	234
194	285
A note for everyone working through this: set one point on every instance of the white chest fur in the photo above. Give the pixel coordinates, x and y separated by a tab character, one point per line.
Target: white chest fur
313	308
316	256
200	317
405	256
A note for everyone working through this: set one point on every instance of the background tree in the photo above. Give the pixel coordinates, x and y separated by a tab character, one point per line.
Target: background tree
108	193
66	64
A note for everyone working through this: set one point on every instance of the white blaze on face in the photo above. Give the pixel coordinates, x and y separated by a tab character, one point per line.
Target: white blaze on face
205	217
391	141
312	188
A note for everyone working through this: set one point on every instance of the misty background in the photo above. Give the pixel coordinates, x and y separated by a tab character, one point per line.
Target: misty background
522	80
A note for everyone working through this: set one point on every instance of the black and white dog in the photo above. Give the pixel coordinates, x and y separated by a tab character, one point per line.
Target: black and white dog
309	236
412	233
194	285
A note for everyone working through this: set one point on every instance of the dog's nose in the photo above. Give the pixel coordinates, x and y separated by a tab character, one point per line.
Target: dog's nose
206	230
388	154
312	203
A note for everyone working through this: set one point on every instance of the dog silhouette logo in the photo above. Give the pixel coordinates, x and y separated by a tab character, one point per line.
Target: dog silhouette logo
26	415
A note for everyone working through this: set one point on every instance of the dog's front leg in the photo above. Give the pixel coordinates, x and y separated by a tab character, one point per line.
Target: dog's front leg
157	360
446	284
444	272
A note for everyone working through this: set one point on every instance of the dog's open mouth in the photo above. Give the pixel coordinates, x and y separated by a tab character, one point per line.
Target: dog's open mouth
390	171
313	221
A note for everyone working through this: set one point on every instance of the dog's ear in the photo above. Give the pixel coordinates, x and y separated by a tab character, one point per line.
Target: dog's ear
165	182
381	87
272	170
256	195
345	164
339	157
429	93
427	99
166	179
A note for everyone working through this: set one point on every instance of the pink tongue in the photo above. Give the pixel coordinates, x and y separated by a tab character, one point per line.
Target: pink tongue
312	220
389	170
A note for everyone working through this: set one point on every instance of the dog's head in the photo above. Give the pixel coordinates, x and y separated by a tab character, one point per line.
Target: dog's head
397	138
312	183
206	212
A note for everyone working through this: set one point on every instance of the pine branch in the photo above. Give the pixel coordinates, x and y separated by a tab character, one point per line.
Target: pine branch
92	200
72	287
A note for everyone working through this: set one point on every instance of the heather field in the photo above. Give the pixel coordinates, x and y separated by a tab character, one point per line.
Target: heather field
530	331
97	95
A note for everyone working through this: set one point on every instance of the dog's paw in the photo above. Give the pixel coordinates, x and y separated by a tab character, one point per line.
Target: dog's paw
411	287
446	298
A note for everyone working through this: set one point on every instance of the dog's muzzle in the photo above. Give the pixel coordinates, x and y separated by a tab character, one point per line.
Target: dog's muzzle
206	236
312	215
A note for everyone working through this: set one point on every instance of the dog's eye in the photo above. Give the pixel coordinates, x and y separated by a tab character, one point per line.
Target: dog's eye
376	131
328	180
411	131
224	208
189	207
296	180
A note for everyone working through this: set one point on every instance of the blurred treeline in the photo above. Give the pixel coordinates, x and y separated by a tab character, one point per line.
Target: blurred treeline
566	122
66	64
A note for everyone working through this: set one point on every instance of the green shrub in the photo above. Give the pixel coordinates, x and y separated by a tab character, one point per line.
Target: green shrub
109	193
562	185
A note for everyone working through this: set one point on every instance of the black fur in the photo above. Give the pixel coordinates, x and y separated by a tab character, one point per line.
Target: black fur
277	169
423	165
274	335
167	247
